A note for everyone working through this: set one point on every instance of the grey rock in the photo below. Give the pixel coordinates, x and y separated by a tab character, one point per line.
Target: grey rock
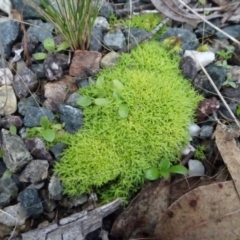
9	120
72	99
9	107
40	30
13	216
58	149
5	199
101	22
24	104
225	112
48	204
109	60
54	65
32	43
206	131
106	9
37	148
82	83
188	67
233	31
10	31
189	40
133	33
34	114
38	69
30	202
17	159
55	188
8	186
25	82
231	94
206	30
127	7
74	201
3	168
72	117
115	41
218	75
96	39
35	171
27	11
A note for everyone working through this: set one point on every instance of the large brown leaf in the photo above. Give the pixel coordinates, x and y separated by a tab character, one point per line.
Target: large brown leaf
140	218
208	212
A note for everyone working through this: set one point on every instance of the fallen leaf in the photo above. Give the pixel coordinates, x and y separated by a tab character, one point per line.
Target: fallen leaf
230	153
208	212
141	216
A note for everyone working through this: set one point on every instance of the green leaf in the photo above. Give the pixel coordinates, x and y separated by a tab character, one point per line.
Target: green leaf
100	82
63	46
101	101
57	126
95	108
152	174
84	101
123	110
48	134
1	153
165	174
116	95
39	56
180	169
49	44
232	84
203	2
13	129
44	122
164	165
118	85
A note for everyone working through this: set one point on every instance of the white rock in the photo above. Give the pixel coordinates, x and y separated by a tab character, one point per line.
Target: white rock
195	168
6	6
6	76
204	58
13	216
189	148
194	130
8	100
102	22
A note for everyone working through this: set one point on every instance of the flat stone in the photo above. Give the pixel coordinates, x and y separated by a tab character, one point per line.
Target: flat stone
35	171
85	63
6	76
17	159
8	100
110	59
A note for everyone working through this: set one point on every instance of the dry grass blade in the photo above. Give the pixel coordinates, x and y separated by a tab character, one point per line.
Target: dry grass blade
72	19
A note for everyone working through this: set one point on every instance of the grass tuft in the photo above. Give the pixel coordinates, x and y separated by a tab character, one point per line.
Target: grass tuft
72	19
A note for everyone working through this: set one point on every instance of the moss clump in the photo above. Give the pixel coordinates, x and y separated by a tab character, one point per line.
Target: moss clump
110	154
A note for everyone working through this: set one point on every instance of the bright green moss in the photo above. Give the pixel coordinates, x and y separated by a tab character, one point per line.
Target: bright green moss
110	154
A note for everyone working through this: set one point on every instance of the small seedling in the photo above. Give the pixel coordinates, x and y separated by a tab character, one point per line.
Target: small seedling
224	64
101	100
237	112
229	81
225	54
164	170
13	129
50	46
47	130
173	44
200	152
202	48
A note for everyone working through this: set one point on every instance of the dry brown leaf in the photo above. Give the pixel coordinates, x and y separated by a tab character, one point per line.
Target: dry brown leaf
230	153
208	212
140	218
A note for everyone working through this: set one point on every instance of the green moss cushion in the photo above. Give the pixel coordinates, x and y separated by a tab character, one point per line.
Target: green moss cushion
111	153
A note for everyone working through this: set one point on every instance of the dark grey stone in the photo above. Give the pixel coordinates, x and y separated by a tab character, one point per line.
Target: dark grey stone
188	67
189	40
38	149
25	9
15	153
10	31
233	31
9	120
24	104
55	188
5	199
206	131
115	41
30	202
8	186
38	69
57	150
25	82
40	30
72	99
96	39
72	117
106	9
34	114
133	33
